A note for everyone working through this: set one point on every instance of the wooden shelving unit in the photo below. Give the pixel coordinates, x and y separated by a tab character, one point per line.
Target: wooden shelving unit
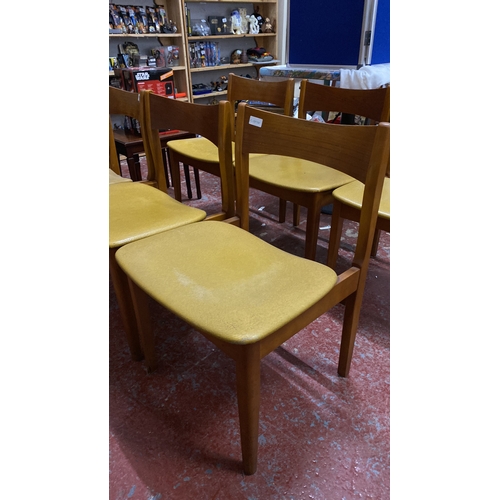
184	75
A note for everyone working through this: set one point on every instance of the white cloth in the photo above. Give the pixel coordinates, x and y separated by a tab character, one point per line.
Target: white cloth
367	77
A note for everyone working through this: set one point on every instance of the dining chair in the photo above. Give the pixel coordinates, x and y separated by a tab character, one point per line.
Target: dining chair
200	153
138	210
243	294
212	125
123	102
374	106
347	201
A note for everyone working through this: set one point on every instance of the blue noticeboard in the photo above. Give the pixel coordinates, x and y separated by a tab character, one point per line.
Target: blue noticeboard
381	42
332	32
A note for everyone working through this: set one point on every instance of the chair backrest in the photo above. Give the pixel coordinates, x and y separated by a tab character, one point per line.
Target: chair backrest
361	152
210	122
373	104
122	102
279	93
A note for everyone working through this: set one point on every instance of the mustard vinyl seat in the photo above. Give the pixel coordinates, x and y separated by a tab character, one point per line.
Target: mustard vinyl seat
137	211
347	203
223	274
352	194
115	178
296	174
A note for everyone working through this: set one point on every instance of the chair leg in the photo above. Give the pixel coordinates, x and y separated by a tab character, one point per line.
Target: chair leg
125	304
376	239
296	214
282	211
349	329
165	166
141	308
197	182
248	390
175	174
188	180
312	232
335	234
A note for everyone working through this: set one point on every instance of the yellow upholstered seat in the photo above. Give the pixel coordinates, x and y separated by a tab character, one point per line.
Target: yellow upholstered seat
246	296
114	178
295	174
352	194
137	211
347	205
213	285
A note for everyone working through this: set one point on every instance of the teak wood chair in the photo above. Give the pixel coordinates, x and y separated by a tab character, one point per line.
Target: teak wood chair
137	210
243	294
122	102
374	105
200	153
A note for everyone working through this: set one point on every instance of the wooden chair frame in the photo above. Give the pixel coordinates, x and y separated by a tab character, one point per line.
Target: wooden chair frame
364	155
374	105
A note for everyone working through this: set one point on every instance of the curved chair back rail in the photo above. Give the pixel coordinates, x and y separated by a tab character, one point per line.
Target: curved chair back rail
373	104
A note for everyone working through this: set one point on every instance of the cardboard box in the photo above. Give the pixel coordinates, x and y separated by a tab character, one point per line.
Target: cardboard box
159	80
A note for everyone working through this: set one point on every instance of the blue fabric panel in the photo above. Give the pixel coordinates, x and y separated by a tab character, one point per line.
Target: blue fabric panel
381	52
325	32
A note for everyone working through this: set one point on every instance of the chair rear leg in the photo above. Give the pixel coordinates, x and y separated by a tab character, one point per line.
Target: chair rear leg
376	238
197	182
296	214
175	174
282	211
188	180
248	390
335	235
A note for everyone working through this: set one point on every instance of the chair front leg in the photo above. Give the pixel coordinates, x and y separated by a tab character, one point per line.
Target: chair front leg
125	305
312	231
248	391
349	330
141	308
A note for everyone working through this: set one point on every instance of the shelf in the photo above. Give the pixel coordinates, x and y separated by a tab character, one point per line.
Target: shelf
221	67
219	37
212	94
145	35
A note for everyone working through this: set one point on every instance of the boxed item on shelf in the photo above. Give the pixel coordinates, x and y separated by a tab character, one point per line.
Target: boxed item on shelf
159	80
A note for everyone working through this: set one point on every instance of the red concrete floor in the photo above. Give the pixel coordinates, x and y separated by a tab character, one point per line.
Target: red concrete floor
174	433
